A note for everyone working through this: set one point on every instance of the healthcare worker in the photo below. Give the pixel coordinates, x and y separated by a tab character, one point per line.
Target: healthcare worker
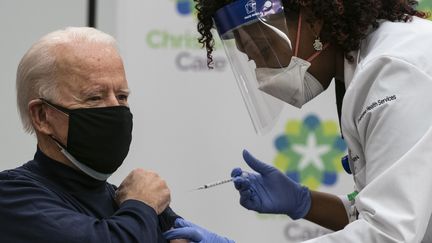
381	52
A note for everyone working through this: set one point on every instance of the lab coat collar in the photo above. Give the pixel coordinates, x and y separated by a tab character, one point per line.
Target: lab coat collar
350	67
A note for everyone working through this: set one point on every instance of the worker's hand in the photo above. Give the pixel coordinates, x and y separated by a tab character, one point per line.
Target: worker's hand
270	191
145	186
193	233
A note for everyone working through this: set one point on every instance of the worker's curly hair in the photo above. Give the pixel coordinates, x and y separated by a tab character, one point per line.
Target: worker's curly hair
345	23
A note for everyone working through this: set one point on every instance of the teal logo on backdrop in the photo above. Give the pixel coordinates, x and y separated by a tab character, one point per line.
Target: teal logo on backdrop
310	151
185	7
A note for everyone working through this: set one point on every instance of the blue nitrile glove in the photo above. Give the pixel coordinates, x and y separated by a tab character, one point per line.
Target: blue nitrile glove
194	233
270	191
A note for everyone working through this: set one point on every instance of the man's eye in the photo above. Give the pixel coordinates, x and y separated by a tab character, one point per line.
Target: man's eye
122	97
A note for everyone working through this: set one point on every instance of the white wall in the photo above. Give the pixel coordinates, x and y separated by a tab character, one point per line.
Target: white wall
22	22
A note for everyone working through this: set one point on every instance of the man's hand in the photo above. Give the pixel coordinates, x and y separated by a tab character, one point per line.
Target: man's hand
147	187
179	241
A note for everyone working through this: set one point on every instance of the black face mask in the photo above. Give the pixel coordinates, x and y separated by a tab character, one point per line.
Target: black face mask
98	138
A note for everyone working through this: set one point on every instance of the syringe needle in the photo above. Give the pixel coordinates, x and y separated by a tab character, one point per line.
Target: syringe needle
217	183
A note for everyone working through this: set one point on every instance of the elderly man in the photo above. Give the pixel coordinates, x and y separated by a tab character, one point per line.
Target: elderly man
73	95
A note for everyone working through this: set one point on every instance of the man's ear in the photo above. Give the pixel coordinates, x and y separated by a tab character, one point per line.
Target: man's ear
38	116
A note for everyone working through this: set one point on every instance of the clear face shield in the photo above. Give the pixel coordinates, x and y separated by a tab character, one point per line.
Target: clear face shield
258	45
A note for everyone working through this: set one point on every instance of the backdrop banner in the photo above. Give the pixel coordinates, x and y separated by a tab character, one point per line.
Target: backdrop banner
190	125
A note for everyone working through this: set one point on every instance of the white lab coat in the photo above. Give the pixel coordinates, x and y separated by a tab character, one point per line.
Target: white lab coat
387	124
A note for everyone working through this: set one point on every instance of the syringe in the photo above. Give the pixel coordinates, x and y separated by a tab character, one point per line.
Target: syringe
209	185
217	183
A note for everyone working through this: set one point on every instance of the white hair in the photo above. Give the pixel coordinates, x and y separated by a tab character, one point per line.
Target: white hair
36	73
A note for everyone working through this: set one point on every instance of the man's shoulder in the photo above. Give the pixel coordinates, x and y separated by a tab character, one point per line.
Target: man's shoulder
11	174
22	186
18	177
